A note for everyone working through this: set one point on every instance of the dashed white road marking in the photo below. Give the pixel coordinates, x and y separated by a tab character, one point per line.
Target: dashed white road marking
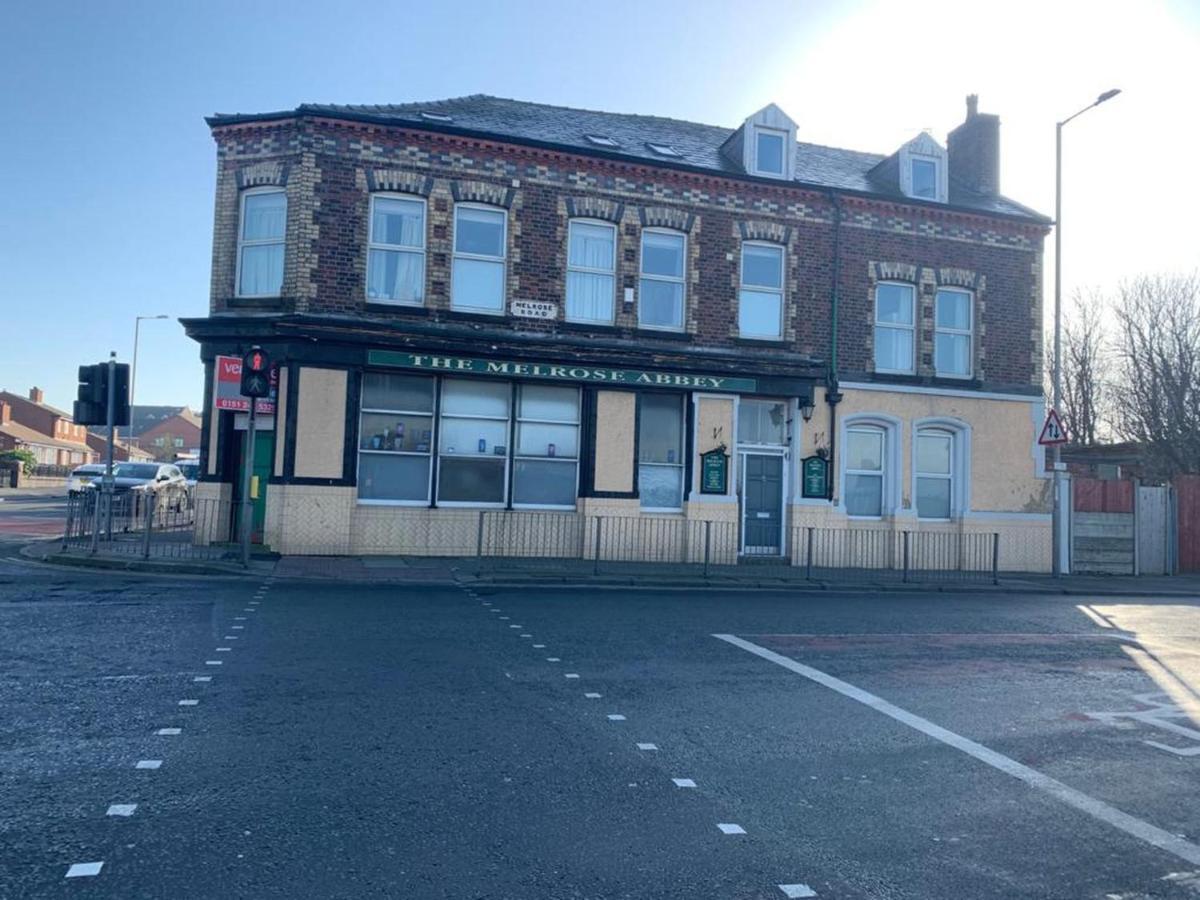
224	649
616	717
592	696
553	659
527	635
516	626
213	662
684	782
539	646
730	828
148	763
572	675
237	627
239	619
793	891
1097	809
121	809
82	870
169	731
202	678
230	637
647	746
188	702
505	618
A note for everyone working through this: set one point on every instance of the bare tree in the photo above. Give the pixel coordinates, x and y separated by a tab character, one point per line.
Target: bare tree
1086	386
1157	349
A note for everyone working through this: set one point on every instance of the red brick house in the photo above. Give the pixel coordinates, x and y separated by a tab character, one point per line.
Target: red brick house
482	303
30	423
171	437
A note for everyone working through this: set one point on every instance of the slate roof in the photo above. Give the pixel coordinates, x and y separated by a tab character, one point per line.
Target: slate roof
699	146
27	435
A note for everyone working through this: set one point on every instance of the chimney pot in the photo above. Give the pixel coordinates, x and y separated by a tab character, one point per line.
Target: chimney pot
972	105
36	395
974	150
5	413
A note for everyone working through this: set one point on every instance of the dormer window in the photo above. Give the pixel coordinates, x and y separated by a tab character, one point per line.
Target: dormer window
662	149
924	178
769	146
436	117
923	169
601	140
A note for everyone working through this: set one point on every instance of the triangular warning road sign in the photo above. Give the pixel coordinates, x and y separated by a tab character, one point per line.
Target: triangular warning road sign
1053	431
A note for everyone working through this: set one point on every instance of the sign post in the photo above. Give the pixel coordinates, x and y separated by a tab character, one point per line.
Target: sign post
255	383
1054	435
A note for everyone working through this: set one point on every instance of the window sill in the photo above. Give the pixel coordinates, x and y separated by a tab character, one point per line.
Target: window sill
472	315
656	334
567	325
270	302
760	342
404	309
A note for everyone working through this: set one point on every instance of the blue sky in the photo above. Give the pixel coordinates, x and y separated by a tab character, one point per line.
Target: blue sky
107	167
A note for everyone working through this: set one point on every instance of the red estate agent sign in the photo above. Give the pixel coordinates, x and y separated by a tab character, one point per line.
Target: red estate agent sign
228	394
1053	431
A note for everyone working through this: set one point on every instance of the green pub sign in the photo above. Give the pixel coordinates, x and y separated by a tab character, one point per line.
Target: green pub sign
714	471
814	474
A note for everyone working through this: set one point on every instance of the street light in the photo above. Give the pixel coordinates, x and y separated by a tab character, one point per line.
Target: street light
1058	130
137	324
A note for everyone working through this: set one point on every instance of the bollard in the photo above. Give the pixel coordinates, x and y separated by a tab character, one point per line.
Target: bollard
148	527
479	536
905	578
809	555
707	544
995	557
596	555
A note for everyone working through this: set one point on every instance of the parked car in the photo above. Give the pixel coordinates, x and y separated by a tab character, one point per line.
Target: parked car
82	476
141	481
191	473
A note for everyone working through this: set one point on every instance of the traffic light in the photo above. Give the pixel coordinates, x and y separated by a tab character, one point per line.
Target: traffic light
92	398
256	376
91	405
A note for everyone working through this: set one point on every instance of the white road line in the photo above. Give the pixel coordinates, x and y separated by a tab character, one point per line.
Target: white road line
212	662
571	675
616	717
188	702
730	828
237	627
592	696
121	809
224	649
239	619
169	731
527	635
202	678
684	782
797	890
553	659
647	746
82	870
1097	809
148	763
516	626
230	637
539	646
1094	616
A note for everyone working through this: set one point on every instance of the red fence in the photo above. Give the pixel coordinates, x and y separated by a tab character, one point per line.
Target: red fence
1187	493
1095	495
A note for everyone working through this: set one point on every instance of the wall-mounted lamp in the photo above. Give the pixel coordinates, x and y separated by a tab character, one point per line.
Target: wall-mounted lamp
806	409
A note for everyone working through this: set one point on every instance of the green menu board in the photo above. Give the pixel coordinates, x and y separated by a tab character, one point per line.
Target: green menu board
814	475
714	472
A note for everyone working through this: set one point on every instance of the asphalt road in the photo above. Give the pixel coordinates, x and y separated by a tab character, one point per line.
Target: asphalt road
378	741
31	514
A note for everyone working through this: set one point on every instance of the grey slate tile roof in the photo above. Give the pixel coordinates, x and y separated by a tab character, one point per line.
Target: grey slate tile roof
699	146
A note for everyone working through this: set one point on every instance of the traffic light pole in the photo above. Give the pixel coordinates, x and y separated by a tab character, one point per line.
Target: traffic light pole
247	501
111	413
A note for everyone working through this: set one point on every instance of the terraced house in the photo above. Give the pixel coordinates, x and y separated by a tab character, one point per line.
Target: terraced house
486	304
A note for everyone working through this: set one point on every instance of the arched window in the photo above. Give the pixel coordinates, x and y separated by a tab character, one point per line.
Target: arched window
941	469
870	466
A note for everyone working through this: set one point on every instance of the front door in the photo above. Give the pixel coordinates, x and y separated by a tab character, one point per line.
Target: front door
264	458
762	504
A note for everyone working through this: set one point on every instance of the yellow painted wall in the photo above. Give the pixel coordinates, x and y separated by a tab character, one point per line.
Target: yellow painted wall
320	422
615	424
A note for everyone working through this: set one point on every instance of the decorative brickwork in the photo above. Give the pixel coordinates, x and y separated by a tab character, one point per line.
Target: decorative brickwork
399	181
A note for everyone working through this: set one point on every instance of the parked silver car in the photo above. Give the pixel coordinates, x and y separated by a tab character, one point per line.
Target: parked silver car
82	476
141	481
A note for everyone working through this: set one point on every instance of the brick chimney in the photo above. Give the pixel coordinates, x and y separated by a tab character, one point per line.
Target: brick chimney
5	413
36	395
974	150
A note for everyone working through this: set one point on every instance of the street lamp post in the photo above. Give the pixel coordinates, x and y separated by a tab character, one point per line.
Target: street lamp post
1058	130
137	324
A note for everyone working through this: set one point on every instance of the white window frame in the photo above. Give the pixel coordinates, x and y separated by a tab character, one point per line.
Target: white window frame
441	437
682	280
959	433
683	493
578	423
502	259
612	310
969	333
892	429
243	243
911	327
783	161
431	414
949	477
781	290
373	244
915	158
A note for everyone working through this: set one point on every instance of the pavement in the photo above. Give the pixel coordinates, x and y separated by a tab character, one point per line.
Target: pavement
389	740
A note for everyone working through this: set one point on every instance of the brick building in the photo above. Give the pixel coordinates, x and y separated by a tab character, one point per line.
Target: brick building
52	436
171	436
482	303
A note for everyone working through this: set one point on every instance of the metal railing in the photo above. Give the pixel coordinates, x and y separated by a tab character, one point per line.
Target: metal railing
620	543
141	524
